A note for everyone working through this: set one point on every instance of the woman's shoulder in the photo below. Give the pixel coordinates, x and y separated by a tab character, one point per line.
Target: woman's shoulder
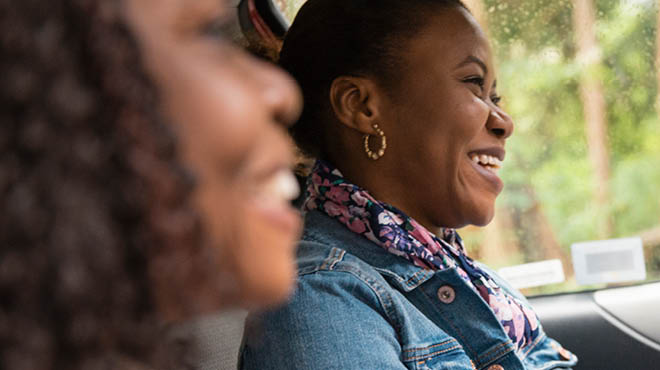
343	314
328	246
337	297
334	282
325	267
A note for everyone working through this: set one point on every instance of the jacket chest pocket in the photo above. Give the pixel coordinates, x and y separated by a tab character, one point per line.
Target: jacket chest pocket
447	355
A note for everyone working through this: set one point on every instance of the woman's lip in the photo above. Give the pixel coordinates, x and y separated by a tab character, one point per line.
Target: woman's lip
497	152
266	171
491	177
280	215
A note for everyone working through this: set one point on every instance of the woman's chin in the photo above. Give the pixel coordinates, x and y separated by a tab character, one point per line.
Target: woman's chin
264	260
484	220
481	214
266	293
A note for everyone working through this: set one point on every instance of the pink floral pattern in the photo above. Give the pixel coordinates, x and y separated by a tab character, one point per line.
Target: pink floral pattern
399	234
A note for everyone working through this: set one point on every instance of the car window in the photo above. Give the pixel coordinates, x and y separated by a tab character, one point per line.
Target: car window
289	8
580	78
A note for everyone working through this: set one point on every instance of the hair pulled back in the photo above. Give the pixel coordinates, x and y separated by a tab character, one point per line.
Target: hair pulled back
332	38
88	182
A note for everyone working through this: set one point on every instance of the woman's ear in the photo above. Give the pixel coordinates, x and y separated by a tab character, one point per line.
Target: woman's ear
355	103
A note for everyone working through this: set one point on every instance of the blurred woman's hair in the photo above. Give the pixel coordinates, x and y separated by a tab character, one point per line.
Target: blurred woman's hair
332	38
91	194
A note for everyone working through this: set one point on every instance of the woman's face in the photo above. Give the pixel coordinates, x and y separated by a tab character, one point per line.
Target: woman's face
229	112
446	134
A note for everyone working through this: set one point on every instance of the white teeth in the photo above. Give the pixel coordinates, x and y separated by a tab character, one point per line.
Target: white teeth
487	161
492	169
282	186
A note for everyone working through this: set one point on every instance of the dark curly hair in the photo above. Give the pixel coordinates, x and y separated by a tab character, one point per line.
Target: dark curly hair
332	38
91	194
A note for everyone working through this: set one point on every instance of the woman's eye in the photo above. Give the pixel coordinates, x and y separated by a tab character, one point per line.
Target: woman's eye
496	99
476	80
218	28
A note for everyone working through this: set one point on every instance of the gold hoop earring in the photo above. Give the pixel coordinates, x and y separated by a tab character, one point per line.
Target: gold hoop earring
383	144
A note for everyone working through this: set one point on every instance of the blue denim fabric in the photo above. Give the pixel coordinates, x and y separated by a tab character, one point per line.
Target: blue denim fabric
358	306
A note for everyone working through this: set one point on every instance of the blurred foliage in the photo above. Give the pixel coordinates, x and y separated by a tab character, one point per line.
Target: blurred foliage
539	78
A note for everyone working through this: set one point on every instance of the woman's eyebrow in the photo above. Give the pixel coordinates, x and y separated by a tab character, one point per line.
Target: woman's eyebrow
473	59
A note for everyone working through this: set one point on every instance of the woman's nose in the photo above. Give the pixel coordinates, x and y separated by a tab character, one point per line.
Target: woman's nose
281	95
500	124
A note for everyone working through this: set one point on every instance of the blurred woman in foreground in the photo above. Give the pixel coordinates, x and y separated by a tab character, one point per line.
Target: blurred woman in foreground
144	179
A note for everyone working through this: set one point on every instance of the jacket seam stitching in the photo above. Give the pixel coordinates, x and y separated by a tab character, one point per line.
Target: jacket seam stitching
460	334
497	348
429	347
533	345
408	282
433	354
384	299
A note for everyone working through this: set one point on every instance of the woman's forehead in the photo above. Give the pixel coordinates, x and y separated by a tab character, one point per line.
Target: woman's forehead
451	37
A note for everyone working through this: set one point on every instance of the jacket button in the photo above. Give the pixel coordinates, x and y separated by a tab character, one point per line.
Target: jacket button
495	367
446	294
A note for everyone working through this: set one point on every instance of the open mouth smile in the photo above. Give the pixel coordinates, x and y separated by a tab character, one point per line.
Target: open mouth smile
488	162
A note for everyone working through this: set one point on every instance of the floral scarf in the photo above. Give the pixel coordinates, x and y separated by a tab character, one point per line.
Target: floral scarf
399	234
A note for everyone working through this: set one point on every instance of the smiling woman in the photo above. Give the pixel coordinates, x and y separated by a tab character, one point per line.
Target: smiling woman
229	112
402	114
144	179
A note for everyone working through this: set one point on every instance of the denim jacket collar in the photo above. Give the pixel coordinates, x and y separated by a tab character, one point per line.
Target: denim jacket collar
323	229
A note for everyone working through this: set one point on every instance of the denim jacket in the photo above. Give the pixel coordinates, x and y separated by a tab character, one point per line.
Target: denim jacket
358	306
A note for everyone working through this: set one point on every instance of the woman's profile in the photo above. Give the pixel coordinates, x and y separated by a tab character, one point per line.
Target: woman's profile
143	179
402	113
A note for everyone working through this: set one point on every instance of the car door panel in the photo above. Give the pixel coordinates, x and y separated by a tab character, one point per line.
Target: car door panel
612	329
